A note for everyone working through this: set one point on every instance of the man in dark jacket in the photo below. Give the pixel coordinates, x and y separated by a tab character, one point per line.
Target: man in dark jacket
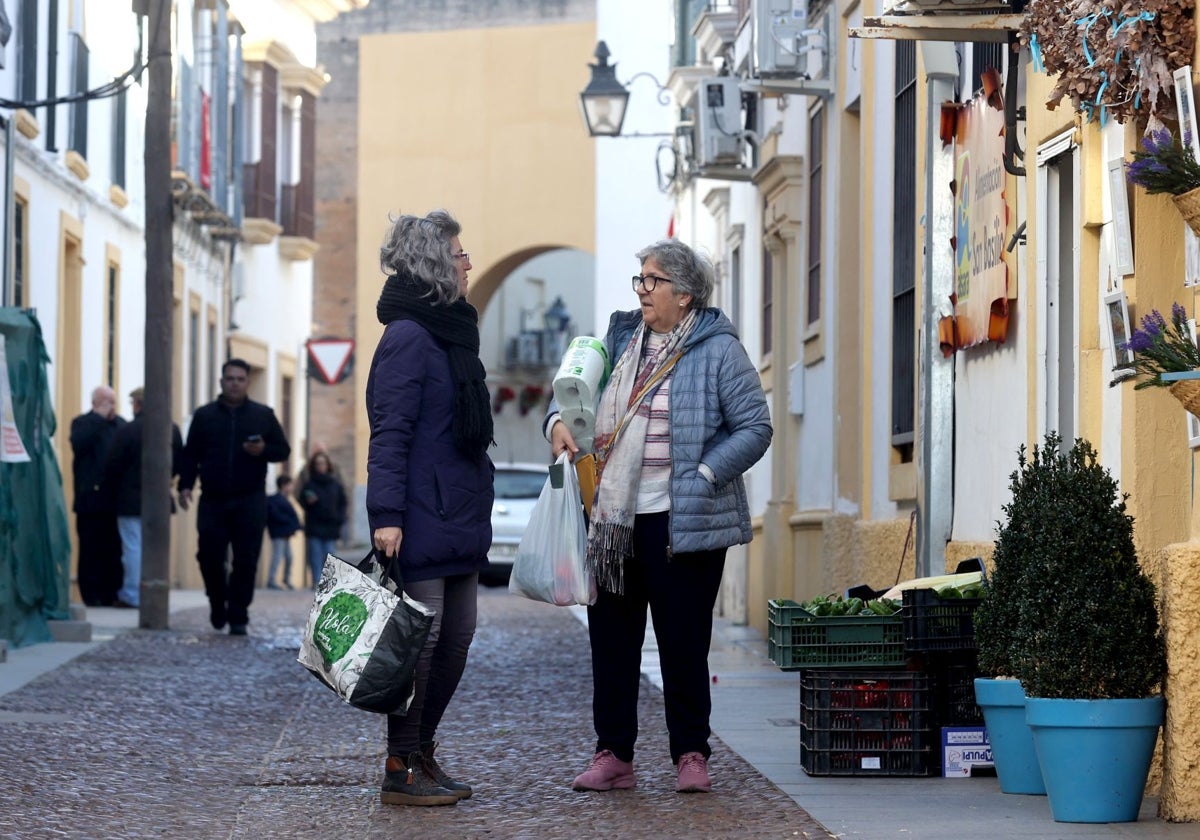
122	485
229	444
99	572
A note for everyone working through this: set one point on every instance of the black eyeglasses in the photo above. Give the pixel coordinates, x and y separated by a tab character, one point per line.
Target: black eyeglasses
648	281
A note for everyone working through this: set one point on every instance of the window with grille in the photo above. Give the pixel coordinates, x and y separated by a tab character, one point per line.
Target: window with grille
816	165
984	56
904	257
20	293
112	296
767	272
27	45
79	110
118	145
193	359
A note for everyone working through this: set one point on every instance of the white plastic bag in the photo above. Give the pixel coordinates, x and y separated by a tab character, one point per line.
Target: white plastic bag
550	563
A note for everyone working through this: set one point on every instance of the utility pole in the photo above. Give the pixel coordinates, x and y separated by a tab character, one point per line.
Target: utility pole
156	429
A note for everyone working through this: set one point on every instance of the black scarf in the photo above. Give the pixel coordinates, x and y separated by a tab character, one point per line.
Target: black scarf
456	330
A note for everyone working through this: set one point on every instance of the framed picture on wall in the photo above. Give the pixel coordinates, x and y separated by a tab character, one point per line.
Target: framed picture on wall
1122	238
1116	321
1186	97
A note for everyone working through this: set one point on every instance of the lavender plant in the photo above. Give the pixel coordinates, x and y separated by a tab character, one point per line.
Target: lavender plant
1164	165
1159	347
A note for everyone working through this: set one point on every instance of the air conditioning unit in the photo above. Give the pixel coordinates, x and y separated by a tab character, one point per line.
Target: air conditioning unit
718	121
779	39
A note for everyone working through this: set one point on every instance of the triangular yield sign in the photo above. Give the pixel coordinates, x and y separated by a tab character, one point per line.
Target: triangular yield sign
331	355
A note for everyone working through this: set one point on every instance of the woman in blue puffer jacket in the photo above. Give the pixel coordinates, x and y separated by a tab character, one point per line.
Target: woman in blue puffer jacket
682	417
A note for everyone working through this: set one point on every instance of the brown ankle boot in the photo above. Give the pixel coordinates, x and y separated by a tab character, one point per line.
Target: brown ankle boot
462	791
405	782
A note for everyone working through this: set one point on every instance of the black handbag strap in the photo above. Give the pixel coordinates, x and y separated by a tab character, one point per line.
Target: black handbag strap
364	566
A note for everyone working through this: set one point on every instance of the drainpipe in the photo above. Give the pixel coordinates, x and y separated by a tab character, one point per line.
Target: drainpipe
935	379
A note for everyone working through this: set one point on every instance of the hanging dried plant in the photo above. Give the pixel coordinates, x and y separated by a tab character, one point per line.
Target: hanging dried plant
1113	60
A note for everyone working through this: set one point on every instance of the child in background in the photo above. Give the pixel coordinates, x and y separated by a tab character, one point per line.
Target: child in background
282	522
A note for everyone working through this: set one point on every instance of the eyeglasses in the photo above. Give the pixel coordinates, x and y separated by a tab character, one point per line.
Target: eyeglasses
461	256
648	281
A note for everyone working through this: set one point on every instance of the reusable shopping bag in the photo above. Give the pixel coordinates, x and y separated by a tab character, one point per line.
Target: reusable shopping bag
551	564
363	635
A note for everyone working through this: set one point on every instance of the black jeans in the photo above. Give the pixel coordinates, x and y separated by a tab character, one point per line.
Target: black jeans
442	661
100	569
681	591
238	523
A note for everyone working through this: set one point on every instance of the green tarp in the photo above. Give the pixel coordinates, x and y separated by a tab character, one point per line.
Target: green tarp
35	540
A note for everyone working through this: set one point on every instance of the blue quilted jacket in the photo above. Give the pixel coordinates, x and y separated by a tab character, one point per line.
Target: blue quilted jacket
719	418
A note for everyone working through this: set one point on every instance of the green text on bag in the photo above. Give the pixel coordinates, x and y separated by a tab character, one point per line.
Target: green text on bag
341	620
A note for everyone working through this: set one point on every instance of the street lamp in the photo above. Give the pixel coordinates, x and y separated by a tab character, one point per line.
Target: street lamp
557	317
604	100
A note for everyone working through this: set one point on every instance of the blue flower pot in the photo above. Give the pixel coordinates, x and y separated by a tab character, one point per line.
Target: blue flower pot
1094	754
1003	705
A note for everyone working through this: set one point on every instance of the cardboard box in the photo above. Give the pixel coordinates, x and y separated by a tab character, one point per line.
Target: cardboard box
964	747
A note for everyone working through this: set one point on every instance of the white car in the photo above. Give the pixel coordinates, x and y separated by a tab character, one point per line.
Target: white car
518	486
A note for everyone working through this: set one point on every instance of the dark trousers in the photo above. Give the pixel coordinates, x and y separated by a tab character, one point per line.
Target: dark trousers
680	591
441	664
223	523
100	569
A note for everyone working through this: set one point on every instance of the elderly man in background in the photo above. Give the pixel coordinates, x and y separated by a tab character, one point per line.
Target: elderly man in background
100	569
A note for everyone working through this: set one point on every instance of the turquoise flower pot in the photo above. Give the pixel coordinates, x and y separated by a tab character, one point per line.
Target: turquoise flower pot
1094	754
1003	705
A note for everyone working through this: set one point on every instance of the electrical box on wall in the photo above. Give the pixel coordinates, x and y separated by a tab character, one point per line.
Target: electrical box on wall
718	121
779	35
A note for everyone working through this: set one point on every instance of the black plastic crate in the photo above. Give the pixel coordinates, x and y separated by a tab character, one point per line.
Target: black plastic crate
937	624
868	723
798	639
954	688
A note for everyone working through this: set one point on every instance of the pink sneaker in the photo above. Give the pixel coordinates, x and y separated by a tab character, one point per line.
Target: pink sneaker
693	774
606	772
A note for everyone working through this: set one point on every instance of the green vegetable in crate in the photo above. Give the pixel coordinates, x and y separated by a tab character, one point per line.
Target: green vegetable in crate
972	590
883	606
854	606
949	592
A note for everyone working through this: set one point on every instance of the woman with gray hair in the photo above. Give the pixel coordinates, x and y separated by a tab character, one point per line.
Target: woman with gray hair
429	478
682	417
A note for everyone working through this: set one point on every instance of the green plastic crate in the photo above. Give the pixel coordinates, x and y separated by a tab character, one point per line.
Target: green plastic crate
798	639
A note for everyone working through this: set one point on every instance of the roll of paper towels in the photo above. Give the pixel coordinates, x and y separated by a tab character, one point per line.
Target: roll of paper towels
582	373
577	386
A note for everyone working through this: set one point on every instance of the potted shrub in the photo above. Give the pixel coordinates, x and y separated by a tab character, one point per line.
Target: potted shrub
1089	650
998	693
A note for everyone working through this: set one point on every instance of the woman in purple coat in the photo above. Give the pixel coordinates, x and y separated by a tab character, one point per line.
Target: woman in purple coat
429	477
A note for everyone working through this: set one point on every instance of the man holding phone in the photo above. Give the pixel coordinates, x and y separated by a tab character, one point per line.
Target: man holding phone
229	444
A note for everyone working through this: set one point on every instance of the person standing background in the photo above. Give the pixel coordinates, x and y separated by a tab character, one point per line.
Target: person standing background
122	483
324	502
99	573
282	522
229	444
429	478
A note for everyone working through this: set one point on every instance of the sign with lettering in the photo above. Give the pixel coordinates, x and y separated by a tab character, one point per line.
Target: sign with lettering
980	225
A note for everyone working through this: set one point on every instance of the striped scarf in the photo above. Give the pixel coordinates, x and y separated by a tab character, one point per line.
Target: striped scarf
621	422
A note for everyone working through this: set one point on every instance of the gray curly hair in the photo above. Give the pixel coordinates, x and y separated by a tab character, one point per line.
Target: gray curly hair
420	246
691	273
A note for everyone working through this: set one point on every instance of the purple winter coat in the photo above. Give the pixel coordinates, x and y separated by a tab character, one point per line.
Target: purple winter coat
416	479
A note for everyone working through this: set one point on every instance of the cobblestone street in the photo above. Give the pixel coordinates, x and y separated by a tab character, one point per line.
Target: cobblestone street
195	734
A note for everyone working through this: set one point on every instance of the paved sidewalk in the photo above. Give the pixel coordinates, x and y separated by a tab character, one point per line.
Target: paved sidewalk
190	733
